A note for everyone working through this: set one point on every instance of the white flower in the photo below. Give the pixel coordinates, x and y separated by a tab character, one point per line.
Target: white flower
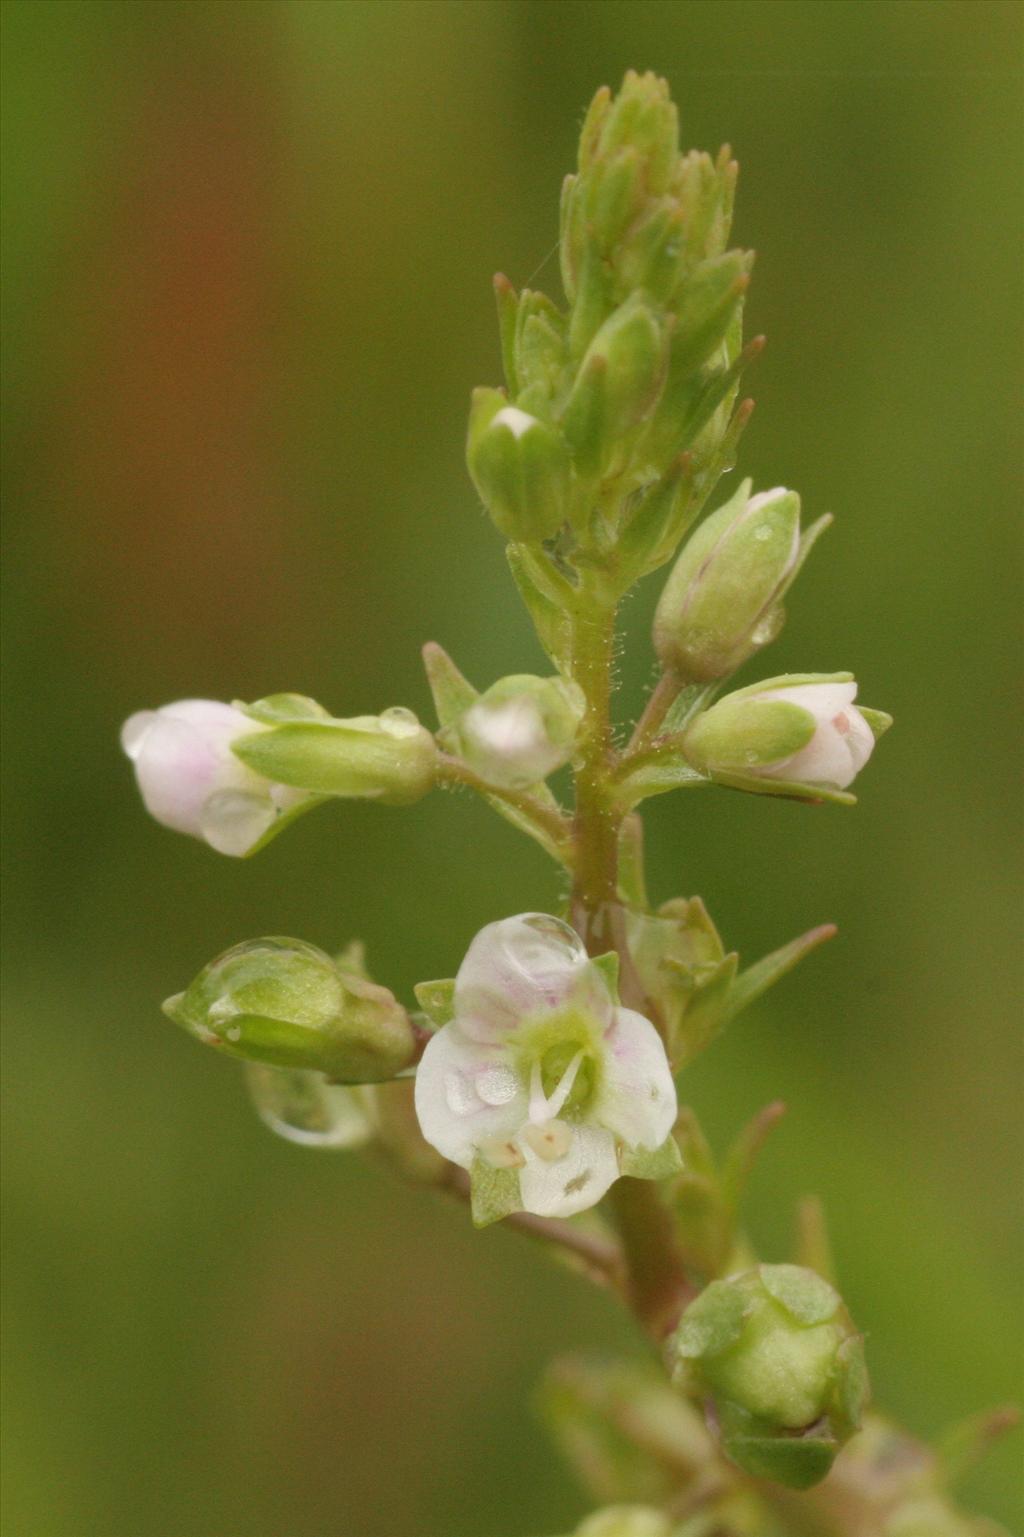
191	781
842	742
540	1072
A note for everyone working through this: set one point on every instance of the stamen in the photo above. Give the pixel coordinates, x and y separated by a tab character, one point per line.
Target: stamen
544	1107
550	1140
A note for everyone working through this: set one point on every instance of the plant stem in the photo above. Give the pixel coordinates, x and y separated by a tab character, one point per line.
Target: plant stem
546	819
656	1283
663	696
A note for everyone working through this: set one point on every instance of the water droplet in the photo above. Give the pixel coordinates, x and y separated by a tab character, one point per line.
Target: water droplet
399	722
303	1107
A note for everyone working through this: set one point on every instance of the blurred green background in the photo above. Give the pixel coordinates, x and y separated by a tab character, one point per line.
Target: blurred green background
248	260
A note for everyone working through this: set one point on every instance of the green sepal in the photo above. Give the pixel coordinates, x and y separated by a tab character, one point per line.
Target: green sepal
739	1163
585	422
787	790
356	757
736	734
853	1387
806	1296
656	773
508	309
797	1462
608	966
712	1322
652	1163
763	974
790	680
707	306
878	720
657	521
453	694
706	1012
494	1192
437	1000
546	594
277	709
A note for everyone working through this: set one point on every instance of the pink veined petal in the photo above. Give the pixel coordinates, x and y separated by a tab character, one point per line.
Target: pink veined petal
177	769
515	967
566	1185
462	1095
637	1099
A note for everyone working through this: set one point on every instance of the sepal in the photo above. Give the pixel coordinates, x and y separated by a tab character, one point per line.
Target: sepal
388	758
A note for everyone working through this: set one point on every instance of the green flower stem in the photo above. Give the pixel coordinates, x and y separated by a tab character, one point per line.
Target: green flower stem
663	696
550	826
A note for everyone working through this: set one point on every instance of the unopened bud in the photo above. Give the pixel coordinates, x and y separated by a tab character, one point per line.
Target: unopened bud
520	466
797	729
521	729
619	382
776	1357
722	601
286	1003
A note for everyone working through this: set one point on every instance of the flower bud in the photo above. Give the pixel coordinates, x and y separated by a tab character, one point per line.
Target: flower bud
388	758
520	467
774	1353
619	381
721	602
191	780
796	730
520	730
286	1003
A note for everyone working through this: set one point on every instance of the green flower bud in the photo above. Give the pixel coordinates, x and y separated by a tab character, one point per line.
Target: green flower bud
520	730
519	465
774	1353
388	758
286	1003
796	734
619	382
721	602
626	1521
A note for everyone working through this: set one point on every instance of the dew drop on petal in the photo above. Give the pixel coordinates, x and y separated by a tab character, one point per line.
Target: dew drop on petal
461	1096
496	1085
303	1107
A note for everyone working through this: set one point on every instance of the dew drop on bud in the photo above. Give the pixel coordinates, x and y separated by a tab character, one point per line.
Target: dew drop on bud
303	1107
399	722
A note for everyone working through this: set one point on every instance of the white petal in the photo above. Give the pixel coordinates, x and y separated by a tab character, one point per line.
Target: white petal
572	1183
453	1113
860	739
134	730
824	761
637	1100
822	699
519	966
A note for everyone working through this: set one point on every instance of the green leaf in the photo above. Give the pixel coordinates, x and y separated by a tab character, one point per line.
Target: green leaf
437	1000
757	979
453	694
495	1192
652	1163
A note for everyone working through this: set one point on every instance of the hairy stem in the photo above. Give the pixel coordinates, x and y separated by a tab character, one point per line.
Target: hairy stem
656	1283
